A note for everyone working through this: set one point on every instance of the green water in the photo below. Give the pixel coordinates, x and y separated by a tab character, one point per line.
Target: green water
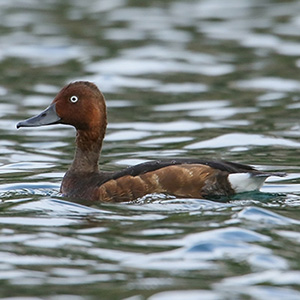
201	79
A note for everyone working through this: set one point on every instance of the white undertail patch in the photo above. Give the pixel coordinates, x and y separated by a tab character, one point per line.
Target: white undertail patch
245	182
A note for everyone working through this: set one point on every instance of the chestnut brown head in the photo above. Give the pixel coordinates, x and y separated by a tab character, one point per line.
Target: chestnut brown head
79	104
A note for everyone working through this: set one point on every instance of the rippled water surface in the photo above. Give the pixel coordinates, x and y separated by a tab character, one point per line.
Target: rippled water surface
200	79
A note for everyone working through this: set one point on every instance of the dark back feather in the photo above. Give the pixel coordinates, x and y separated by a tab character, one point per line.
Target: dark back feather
155	165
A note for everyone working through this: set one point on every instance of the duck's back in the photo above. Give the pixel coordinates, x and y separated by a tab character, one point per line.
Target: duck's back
182	178
149	166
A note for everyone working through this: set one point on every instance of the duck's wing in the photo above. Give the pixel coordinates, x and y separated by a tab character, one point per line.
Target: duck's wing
183	178
221	165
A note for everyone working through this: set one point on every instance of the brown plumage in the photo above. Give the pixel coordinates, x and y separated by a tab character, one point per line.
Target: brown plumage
82	105
181	180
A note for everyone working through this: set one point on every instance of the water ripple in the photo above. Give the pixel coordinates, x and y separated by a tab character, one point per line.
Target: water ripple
243	139
260	215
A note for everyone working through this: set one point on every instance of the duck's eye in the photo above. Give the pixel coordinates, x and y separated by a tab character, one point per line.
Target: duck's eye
73	99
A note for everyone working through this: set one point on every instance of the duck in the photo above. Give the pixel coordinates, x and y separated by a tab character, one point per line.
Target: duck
82	105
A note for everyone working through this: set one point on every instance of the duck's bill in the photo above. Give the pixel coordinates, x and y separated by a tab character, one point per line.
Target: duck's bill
46	117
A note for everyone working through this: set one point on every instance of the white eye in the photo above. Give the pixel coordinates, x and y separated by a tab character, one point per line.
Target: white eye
73	99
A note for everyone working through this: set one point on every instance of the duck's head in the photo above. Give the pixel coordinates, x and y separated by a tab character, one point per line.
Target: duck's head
79	104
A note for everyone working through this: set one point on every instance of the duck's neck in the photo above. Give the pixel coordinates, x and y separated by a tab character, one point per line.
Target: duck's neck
88	149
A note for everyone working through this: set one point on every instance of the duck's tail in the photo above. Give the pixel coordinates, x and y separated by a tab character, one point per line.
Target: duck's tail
250	181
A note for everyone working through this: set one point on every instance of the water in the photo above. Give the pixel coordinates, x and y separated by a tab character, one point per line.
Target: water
207	79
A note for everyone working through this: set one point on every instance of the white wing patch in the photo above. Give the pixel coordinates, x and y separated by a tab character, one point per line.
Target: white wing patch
245	182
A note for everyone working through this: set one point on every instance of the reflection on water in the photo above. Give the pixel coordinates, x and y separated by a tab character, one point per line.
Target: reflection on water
201	78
